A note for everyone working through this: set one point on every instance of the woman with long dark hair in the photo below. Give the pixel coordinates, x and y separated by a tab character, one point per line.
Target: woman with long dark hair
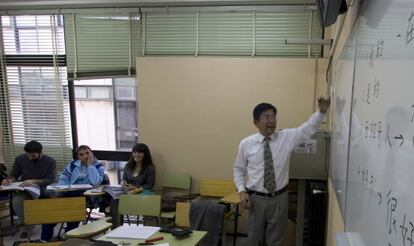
139	172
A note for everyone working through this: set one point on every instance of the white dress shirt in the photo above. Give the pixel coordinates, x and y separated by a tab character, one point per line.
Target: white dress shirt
250	163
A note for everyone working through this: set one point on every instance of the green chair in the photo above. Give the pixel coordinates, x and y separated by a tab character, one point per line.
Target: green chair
174	181
145	205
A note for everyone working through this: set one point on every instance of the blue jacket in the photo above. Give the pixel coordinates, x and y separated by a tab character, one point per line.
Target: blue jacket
71	173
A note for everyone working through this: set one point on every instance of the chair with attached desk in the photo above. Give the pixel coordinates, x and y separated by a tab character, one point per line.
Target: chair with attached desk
61	210
181	219
128	204
191	240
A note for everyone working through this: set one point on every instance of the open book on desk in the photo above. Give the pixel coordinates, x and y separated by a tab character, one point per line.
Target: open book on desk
115	191
56	187
33	190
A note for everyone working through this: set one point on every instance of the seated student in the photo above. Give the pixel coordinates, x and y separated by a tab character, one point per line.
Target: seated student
139	172
33	167
86	170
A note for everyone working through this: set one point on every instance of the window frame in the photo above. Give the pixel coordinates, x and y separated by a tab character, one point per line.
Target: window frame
109	155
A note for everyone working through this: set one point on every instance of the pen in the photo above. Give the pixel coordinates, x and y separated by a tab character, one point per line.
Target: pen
154	239
145	244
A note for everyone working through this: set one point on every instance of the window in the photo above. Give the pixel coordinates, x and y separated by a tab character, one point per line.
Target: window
34	101
99	93
125	93
104	121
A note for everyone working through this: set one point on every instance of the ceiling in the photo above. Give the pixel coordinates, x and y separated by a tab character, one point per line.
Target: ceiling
55	4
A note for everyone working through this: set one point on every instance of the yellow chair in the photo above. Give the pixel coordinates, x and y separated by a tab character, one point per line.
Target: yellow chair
218	188
182	217
55	210
145	205
61	210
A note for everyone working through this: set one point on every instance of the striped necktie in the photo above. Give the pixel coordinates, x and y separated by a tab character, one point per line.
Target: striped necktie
269	172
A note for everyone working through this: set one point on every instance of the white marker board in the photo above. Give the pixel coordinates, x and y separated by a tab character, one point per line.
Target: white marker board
379	171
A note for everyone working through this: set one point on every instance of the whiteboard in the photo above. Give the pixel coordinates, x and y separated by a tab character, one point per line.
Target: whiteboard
380	173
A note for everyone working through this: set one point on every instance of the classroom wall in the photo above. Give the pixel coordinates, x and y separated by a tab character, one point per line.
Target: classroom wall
194	111
335	221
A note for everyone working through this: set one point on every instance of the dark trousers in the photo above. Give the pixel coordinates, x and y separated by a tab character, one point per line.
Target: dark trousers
116	218
48	229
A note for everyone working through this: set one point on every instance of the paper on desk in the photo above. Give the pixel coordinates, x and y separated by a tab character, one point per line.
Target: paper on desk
70	187
133	232
162	244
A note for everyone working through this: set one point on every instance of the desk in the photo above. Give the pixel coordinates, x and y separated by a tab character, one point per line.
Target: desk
90	195
234	199
192	240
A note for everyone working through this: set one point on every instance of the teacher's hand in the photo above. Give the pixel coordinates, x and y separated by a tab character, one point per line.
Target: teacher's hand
244	199
324	104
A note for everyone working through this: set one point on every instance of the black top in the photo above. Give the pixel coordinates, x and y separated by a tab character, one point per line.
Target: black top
145	180
44	168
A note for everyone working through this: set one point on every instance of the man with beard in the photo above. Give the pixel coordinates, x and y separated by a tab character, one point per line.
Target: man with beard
31	168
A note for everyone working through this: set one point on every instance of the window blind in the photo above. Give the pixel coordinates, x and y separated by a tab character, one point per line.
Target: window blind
34	103
226	33
230	32
106	42
171	33
102	44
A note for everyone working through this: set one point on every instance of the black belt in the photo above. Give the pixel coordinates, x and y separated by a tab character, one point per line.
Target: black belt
275	193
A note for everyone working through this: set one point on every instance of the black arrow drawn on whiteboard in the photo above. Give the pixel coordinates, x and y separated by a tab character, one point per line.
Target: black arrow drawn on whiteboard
401	138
